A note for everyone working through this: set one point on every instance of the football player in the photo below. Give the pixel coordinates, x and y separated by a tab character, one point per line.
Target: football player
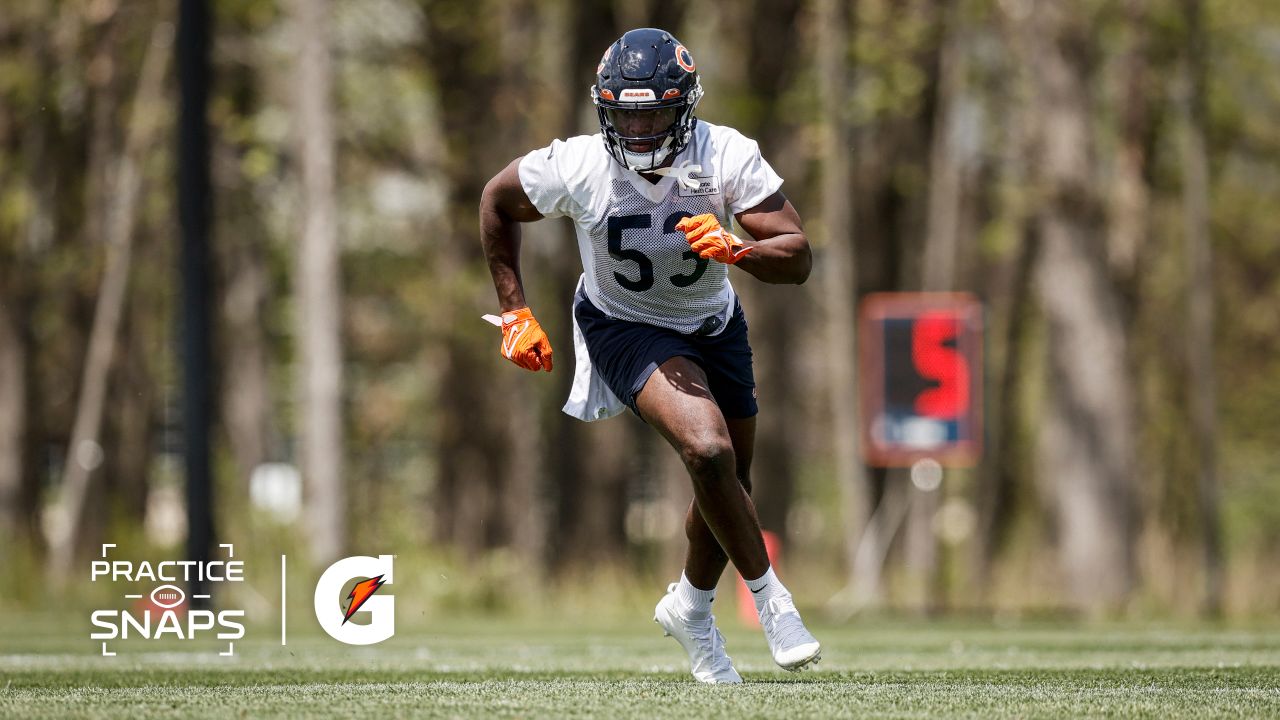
654	198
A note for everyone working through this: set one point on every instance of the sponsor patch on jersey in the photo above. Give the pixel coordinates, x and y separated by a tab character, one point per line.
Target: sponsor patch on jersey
707	185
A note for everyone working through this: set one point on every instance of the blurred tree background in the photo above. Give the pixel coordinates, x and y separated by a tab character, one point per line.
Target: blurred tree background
1102	174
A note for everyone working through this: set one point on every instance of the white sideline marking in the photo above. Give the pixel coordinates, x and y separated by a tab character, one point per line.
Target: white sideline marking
283	605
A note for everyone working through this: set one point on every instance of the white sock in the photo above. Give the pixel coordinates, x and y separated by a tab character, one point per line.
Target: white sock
765	588
693	604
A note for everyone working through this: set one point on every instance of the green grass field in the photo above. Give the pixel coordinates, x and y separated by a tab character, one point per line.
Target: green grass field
509	669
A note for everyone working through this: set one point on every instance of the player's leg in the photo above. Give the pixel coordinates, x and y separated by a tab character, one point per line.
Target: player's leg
727	360
705	560
676	400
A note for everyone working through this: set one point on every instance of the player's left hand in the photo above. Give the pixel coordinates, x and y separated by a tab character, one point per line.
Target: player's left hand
711	241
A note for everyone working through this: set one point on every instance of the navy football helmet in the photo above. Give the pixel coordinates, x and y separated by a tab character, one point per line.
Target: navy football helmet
645	93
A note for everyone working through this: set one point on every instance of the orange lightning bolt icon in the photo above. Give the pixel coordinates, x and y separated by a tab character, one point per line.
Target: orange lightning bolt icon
360	593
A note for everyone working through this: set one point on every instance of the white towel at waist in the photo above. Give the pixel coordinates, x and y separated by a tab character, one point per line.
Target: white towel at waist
590	398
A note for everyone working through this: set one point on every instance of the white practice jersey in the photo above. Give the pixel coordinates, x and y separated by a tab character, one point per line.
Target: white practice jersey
636	265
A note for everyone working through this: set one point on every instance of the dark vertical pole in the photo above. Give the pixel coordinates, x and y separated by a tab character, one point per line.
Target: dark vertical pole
194	201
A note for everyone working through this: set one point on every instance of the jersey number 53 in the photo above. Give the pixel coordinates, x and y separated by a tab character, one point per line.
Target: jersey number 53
643	222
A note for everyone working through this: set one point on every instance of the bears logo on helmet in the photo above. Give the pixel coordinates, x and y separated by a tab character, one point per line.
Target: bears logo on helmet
645	94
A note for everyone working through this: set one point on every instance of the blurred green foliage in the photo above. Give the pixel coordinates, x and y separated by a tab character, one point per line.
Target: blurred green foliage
432	98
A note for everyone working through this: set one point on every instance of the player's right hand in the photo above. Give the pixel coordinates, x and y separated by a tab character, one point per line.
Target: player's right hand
711	241
523	341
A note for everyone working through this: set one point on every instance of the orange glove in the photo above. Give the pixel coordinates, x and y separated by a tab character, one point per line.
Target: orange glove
523	341
711	241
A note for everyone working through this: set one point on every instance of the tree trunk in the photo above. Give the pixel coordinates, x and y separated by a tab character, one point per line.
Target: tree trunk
941	240
775	312
84	450
489	474
840	291
319	328
942	222
241	254
1201	379
129	429
247	390
997	479
29	143
1006	474
1130	197
13	419
1087	437
596	532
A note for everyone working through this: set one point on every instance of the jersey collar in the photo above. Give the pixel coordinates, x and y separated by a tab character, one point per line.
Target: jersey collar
653	192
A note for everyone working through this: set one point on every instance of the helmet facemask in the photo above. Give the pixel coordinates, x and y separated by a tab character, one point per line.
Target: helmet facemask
642	135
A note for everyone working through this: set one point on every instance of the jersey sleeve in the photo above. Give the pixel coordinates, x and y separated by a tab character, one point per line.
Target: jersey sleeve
749	179
543	181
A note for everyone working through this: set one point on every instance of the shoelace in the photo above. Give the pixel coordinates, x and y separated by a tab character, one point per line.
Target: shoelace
709	640
782	621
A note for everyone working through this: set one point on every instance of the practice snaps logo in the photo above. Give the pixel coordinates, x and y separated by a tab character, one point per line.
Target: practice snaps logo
165	613
335	611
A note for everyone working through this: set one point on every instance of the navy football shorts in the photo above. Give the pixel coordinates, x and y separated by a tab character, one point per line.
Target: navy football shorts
626	354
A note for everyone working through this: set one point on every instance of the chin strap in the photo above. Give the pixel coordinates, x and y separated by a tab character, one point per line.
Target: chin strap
650	156
683	174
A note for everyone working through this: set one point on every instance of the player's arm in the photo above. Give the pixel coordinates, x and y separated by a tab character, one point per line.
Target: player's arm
503	206
780	251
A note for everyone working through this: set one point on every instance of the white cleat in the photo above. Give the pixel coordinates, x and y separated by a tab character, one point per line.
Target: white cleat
700	638
791	644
